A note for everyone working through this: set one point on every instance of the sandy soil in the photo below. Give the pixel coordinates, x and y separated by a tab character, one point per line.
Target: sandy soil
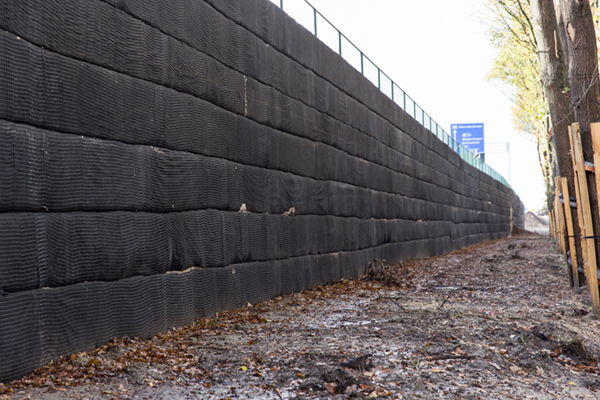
494	321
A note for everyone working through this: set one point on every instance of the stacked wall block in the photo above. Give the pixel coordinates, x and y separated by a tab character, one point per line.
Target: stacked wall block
162	161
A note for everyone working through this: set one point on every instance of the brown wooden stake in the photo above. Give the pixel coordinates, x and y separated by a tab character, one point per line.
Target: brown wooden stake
577	197
570	233
583	203
596	145
556	226
561	217
551	220
557	231
562	236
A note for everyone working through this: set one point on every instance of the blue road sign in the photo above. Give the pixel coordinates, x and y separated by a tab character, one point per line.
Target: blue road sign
470	136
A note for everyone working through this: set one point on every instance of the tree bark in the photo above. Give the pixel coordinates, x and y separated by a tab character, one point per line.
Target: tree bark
554	80
583	82
546	160
583	67
561	35
552	50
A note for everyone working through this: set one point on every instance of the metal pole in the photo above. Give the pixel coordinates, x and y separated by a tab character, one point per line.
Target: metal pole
508	153
315	13
392	89
362	64
281	4
340	36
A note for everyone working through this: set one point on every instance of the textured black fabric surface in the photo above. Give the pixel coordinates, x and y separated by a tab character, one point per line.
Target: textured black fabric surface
161	161
73	247
47	170
140	45
164	118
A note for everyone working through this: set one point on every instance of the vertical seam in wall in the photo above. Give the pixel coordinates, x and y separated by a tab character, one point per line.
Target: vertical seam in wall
41	249
245	97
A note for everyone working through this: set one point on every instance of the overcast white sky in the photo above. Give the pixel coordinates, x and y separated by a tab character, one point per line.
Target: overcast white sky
438	52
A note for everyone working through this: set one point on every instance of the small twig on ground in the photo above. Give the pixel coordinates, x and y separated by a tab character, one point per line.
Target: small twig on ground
215	348
540	335
276	391
398	305
324	355
393	300
444	302
450	357
526	293
462	288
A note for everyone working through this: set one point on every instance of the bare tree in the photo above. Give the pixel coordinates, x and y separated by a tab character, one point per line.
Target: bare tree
583	66
554	79
552	52
583	81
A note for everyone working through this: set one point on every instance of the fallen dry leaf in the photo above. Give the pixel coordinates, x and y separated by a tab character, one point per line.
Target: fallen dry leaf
514	368
365	387
330	387
495	366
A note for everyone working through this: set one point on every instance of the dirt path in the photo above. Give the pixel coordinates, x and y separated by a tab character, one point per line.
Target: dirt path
493	321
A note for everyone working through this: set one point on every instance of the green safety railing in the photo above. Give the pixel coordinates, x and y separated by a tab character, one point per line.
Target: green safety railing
309	17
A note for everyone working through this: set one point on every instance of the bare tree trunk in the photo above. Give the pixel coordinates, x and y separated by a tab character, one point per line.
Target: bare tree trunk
546	159
583	67
554	80
583	81
552	49
561	35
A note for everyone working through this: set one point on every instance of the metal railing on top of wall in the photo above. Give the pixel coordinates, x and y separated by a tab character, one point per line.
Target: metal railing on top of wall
309	17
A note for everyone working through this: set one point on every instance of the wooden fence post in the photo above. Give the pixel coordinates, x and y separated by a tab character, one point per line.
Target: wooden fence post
562	230
577	197
596	145
551	221
560	218
585	211
570	232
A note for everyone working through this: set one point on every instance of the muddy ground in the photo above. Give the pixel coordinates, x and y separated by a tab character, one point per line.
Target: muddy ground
493	321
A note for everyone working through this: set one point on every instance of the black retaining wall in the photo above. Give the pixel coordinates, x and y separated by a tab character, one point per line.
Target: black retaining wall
132	133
